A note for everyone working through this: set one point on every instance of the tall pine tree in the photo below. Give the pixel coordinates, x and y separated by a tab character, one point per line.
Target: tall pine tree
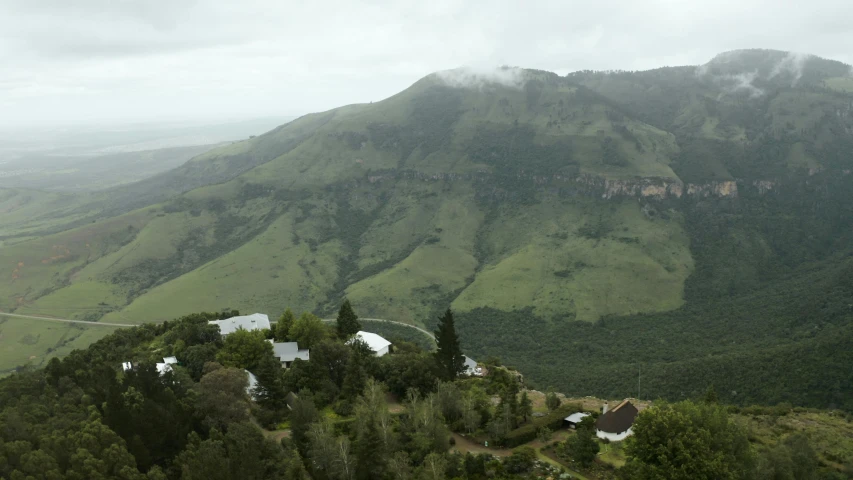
449	353
348	324
354	378
370	458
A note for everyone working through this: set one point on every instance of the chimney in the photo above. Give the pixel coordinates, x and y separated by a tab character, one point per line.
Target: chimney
604	409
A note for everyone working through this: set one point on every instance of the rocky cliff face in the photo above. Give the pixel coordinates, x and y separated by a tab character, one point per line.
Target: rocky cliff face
652	188
589	185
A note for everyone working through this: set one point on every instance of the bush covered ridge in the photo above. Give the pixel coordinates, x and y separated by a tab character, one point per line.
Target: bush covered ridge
355	415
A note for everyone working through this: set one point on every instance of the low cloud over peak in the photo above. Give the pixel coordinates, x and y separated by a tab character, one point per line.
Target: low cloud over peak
479	77
145	59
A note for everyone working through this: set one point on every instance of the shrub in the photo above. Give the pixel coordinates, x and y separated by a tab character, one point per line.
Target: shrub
521	460
527	433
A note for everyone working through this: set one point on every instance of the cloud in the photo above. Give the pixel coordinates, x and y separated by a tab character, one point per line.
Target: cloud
793	64
733	83
106	60
470	77
742	82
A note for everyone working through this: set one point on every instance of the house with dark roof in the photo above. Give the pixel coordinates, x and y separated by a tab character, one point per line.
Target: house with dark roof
615	425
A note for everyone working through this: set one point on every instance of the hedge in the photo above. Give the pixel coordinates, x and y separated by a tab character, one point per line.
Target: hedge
527	433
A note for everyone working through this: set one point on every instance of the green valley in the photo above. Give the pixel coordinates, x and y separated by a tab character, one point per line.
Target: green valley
582	227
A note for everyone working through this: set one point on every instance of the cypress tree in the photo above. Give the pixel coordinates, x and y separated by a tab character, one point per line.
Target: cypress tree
270	392
355	378
348	324
369	453
303	415
525	406
448	352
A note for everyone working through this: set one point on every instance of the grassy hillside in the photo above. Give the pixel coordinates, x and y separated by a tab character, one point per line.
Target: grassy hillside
29	213
29	342
596	220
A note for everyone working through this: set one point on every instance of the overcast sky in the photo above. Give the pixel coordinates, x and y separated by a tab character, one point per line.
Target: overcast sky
82	61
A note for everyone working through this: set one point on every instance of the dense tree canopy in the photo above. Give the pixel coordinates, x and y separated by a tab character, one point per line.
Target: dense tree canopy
244	349
688	440
344	414
308	330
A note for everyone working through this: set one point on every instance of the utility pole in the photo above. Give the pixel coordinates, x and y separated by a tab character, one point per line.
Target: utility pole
639	372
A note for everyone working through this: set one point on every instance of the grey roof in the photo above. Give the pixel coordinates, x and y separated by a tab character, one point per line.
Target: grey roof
470	365
253	384
288	351
576	417
255	321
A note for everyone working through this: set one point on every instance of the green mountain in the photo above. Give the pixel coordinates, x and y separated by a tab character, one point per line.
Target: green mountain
695	220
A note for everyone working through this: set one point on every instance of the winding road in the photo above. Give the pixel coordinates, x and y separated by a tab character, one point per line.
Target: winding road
428	334
66	320
106	324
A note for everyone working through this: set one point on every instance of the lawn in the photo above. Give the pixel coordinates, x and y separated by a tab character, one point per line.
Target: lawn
613	454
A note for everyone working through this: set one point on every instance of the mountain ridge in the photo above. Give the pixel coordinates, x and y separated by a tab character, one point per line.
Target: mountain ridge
558	201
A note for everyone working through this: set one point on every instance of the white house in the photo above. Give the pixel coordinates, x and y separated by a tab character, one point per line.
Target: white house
471	367
615	425
376	343
253	384
287	352
255	321
162	368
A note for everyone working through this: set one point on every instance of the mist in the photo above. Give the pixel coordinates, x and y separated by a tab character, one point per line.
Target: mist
793	64
98	157
479	77
742	82
72	63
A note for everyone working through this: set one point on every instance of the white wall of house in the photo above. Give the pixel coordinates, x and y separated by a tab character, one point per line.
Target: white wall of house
614	437
382	351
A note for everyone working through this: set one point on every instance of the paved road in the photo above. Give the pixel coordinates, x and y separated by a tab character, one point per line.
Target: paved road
430	335
65	320
105	324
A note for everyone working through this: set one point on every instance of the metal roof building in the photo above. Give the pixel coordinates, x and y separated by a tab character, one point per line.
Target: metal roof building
376	343
287	352
255	321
